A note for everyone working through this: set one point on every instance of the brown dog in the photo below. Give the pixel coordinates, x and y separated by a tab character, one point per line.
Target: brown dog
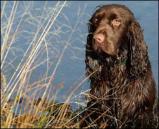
122	85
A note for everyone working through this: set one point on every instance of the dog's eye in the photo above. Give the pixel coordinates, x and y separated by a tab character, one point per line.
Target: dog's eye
96	20
116	22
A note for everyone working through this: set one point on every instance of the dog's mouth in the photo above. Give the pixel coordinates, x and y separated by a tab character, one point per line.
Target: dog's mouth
101	45
98	42
99	38
98	46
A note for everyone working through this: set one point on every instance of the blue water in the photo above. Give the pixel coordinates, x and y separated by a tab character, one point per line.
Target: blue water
72	23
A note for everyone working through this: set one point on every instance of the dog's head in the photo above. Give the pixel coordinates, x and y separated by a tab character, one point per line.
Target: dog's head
109	26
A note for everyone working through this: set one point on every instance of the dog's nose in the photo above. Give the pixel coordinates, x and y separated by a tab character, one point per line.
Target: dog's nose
99	38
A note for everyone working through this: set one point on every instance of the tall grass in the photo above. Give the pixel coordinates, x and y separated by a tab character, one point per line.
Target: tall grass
20	106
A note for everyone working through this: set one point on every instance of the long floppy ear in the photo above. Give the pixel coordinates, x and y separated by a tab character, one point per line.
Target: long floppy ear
137	55
91	60
89	50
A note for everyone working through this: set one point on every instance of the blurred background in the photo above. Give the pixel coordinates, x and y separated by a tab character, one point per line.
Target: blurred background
43	45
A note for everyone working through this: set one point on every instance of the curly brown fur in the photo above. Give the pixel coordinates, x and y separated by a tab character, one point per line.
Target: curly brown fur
122	85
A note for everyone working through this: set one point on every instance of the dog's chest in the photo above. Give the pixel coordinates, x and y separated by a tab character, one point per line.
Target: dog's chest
116	75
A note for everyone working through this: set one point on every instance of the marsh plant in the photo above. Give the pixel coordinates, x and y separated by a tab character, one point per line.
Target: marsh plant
34	39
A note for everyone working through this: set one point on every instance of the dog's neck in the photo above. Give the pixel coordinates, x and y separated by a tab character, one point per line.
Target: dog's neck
113	66
115	61
110	61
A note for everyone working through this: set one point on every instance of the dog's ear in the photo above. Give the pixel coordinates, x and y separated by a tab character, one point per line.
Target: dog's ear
91	27
137	55
92	63
89	36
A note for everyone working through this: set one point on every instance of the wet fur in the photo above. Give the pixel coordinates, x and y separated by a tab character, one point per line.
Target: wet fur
122	91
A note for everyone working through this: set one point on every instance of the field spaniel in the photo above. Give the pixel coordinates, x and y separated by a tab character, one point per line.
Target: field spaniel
122	91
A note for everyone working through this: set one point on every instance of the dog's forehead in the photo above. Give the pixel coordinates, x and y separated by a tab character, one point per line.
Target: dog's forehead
114	8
